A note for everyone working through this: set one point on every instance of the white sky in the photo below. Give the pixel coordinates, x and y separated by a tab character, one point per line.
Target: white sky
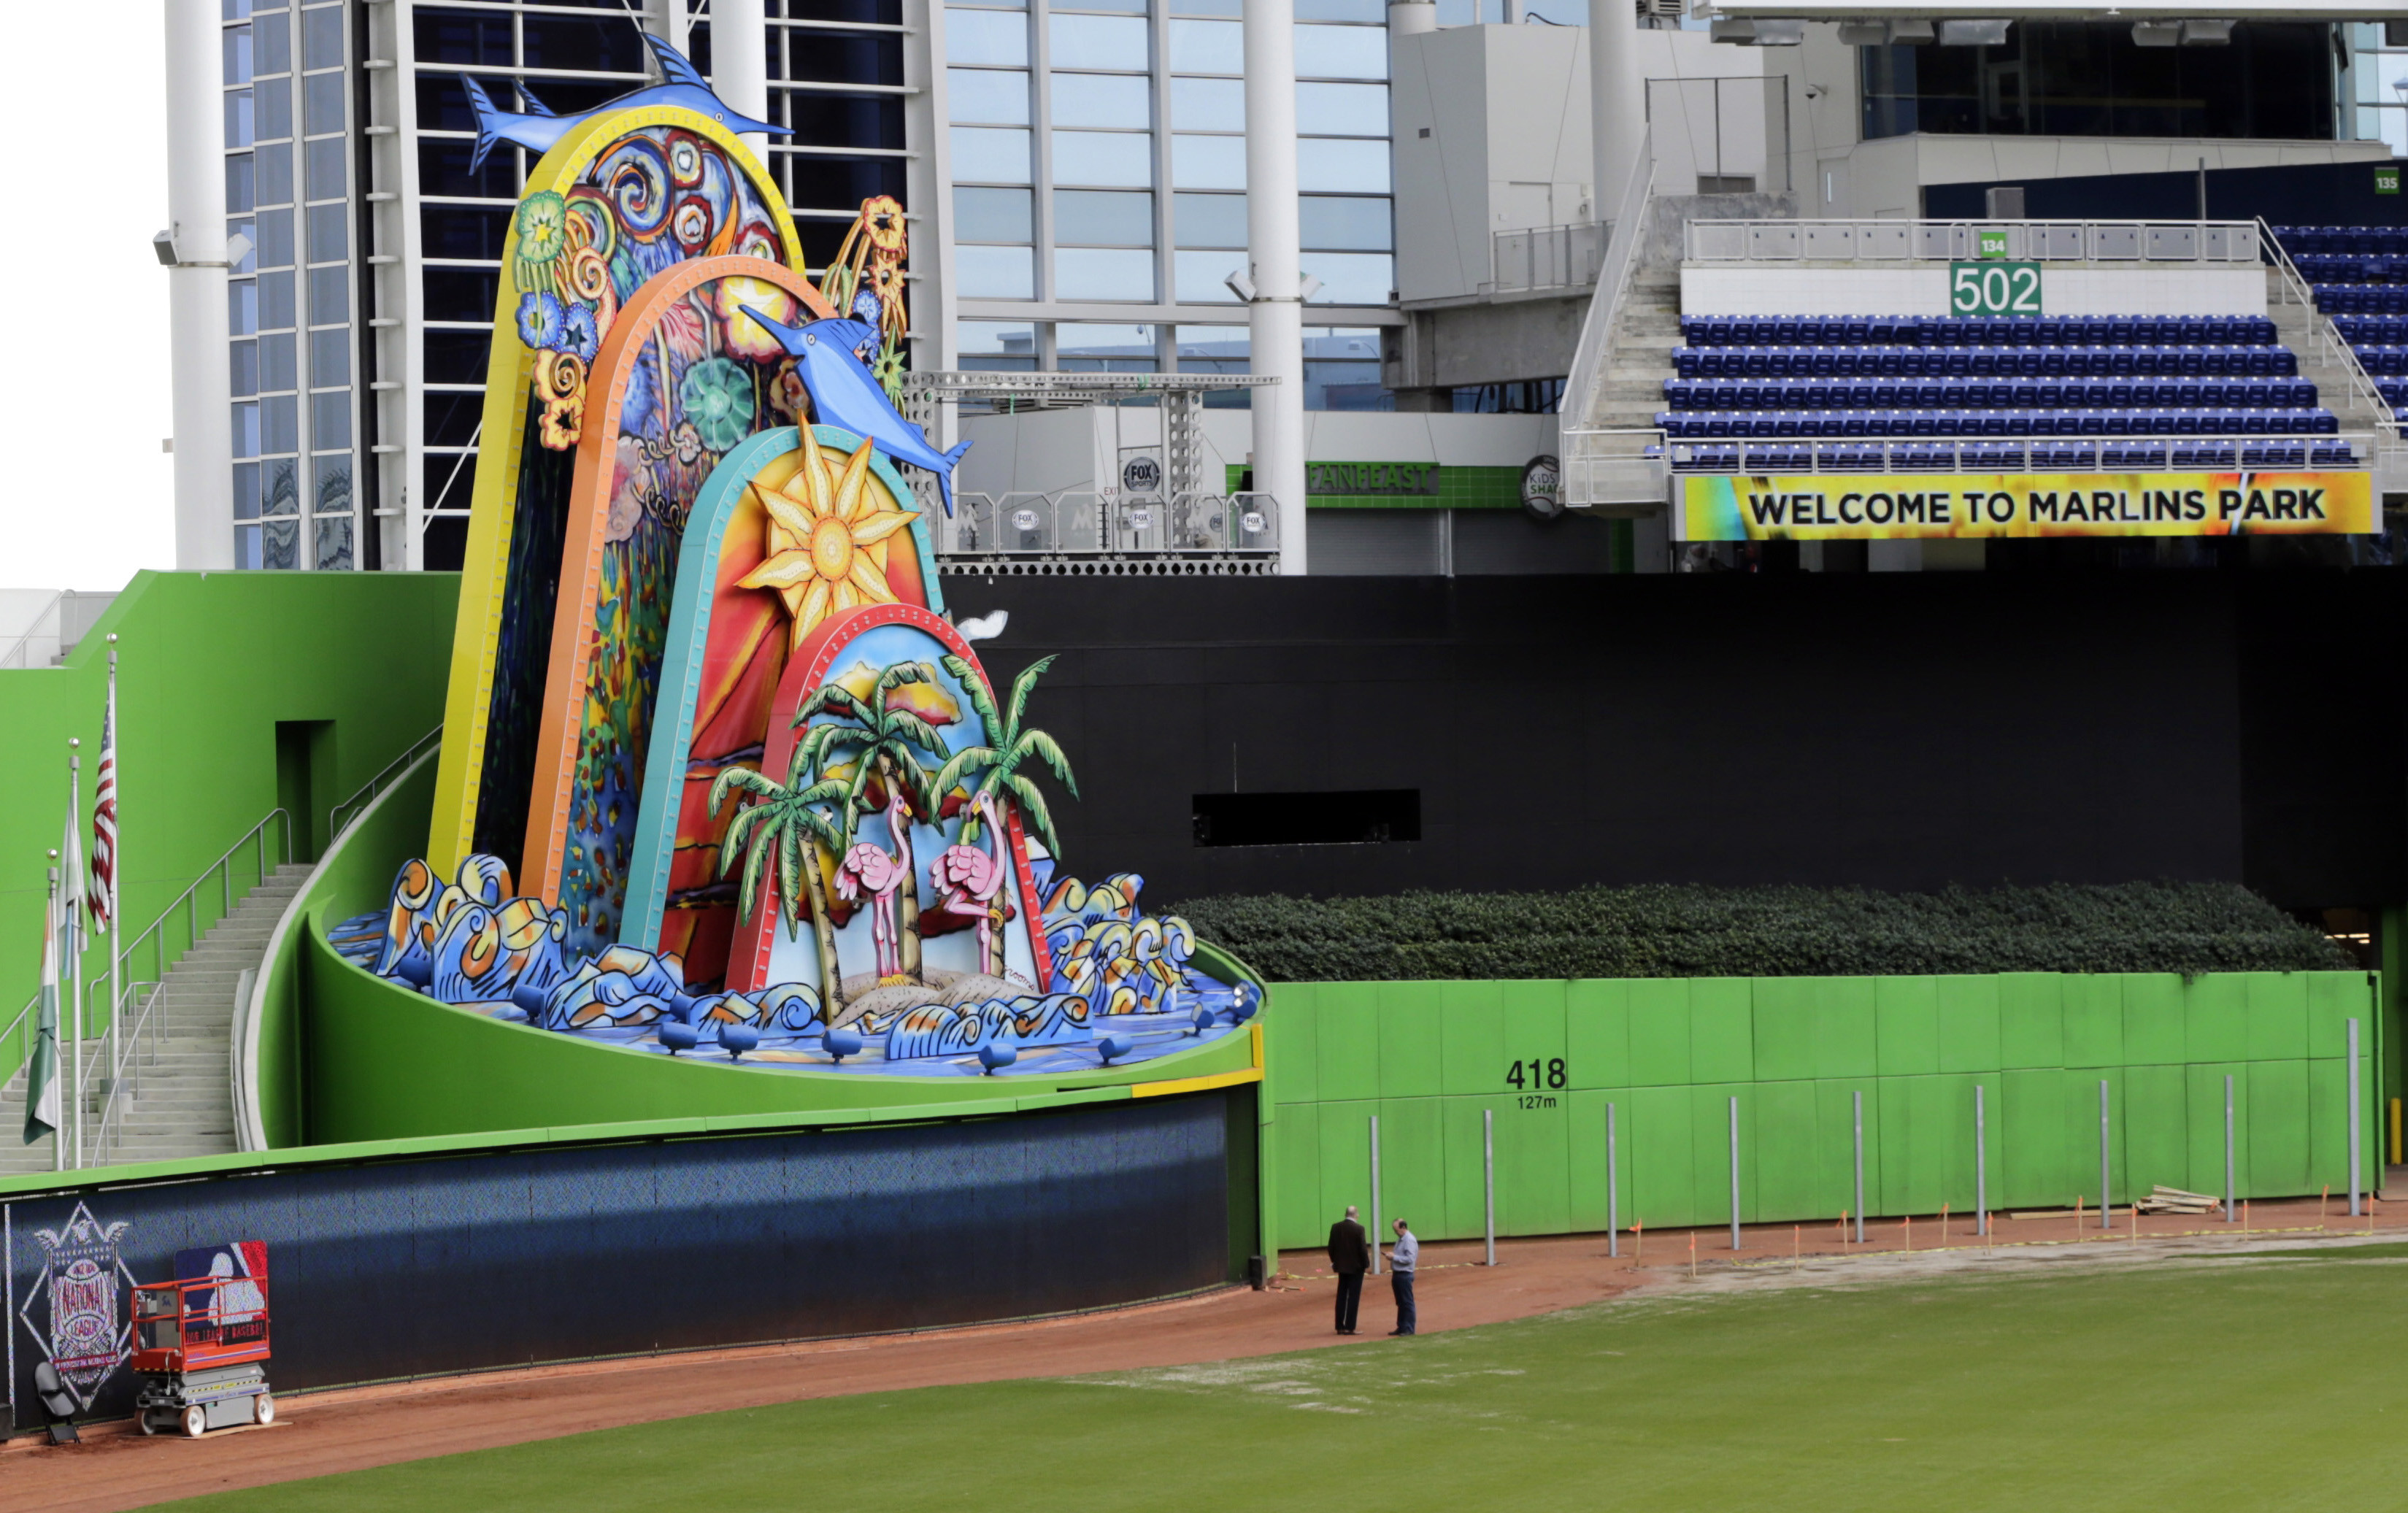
84	398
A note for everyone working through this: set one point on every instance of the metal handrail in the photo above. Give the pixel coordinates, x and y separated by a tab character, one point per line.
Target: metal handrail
1077	523
1839	240
104	1133
1822	452
188	903
1593	358
361	796
2297	290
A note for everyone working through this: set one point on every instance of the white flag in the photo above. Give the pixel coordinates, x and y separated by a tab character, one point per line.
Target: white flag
42	1067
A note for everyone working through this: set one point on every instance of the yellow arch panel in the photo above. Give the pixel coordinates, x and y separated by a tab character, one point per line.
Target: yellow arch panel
494	503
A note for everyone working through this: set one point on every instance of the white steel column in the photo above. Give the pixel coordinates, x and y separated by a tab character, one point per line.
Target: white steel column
739	64
197	287
1275	316
1617	103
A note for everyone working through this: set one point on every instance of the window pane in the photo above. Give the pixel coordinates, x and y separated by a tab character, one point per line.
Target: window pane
1208	7
242	368
246	431
1325	164
330	419
239	196
330	491
1213	349
275	174
1091	218
987	95
237	52
330	358
1343	109
276	301
1208	104
272	108
246	491
1208	162
1349	278
990	153
1116	158
322	167
1373	11
1210	219
282	549
991	215
1208	47
995	339
322	38
1082	273
1085	346
995	272
277	365
322	102
1341	52
272	46
330	295
1098	42
1348	226
329	237
1198	275
279	424
1124	101
821	119
237	118
335	541
995	37
242	307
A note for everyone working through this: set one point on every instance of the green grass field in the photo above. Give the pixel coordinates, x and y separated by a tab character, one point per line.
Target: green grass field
2264	1384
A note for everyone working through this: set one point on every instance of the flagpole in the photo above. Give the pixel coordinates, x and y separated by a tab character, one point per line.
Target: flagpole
74	945
50	927
116	866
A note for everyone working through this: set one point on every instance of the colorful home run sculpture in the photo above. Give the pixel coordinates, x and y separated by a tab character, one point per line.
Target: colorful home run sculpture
707	708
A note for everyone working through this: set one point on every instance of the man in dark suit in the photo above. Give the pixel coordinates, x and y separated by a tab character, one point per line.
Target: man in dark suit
1350	1256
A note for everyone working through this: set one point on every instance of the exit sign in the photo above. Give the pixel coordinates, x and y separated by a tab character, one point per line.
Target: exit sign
2386	180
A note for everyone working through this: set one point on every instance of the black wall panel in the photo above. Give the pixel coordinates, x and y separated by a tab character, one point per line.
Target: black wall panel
1889	730
426	1266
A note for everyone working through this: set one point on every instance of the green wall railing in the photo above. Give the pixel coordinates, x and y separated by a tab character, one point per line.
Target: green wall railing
209	662
1546	1057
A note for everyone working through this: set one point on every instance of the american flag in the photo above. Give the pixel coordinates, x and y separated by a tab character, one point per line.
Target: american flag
101	897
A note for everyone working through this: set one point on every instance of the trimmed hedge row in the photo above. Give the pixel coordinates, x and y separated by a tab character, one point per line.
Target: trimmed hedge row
1691	932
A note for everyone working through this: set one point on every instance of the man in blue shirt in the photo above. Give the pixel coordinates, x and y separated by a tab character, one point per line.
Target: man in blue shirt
1401	1259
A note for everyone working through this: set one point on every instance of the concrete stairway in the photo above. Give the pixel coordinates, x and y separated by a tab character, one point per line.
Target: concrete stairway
2297	326
1641	358
179	1099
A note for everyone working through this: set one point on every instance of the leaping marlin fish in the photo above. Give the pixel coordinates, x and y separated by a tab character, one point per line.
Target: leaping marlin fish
538	131
845	395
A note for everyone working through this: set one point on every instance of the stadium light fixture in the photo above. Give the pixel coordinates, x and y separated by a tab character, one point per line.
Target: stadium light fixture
1986	32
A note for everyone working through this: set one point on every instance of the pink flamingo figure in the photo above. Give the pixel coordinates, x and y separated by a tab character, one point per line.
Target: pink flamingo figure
969	878
876	873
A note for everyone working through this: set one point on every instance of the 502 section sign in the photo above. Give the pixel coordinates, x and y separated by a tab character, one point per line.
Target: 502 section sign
1994	289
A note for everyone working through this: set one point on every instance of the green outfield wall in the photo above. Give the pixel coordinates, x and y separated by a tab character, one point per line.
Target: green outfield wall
353	664
1429	1058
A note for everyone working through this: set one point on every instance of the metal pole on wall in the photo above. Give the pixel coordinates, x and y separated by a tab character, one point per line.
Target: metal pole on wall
1613	1191
2106	1198
1375	1194
1734	1144
71	941
1275	300
1488	1174
2356	1131
1859	1098
1980	1166
9	1300
2231	1214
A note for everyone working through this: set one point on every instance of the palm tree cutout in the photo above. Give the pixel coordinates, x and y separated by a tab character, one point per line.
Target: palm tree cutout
786	828
884	741
997	765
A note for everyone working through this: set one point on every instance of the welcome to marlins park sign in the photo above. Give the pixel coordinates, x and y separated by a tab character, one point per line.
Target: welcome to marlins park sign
1824	507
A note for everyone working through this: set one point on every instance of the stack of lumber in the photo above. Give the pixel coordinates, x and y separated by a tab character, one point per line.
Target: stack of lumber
2173	1200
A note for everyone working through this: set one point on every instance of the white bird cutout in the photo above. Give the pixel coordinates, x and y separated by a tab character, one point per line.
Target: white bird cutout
985	627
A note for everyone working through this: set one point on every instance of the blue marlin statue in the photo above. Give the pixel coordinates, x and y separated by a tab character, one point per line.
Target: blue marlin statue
539	130
843	394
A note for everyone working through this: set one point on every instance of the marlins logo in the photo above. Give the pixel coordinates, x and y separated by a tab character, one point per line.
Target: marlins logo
84	1279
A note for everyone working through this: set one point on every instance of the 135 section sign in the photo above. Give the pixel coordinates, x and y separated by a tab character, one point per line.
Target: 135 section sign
1994	289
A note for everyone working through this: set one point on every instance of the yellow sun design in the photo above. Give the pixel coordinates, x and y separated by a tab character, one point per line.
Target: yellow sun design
828	526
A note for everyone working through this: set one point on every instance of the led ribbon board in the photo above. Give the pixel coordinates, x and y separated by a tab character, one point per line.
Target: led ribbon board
853	647
1828	507
621	199
729	644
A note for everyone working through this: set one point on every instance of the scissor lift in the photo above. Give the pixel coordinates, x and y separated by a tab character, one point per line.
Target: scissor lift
198	1346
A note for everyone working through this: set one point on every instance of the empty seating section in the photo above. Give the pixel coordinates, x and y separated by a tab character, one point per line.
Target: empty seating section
2360	278
1838	378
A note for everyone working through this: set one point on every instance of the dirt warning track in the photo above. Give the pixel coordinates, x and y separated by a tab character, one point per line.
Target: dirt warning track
322	1432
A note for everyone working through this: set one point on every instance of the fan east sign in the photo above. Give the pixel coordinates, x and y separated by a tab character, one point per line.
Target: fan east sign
1820	508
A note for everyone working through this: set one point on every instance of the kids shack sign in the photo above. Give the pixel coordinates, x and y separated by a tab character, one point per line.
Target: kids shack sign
1821	507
